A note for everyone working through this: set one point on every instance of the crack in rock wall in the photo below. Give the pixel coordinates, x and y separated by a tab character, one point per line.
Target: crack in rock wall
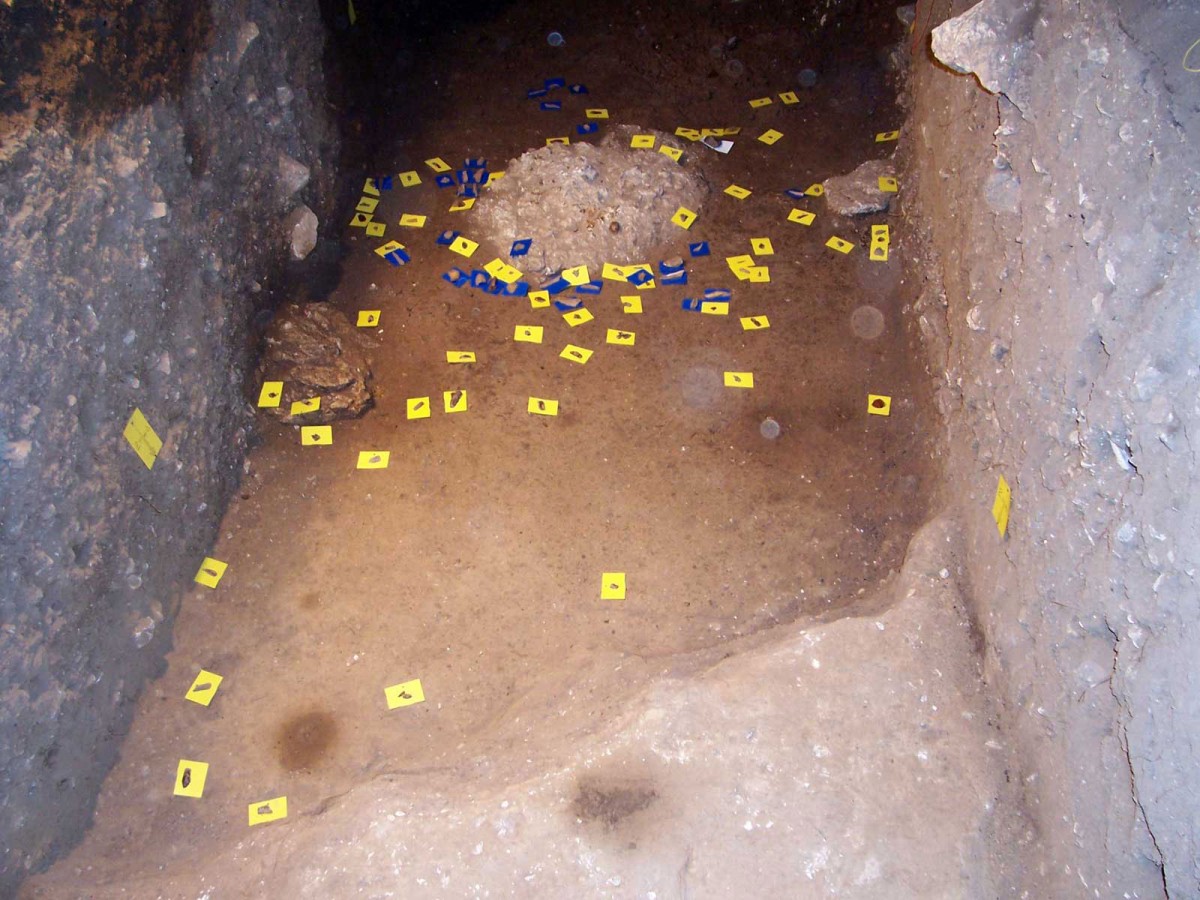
150	154
1058	185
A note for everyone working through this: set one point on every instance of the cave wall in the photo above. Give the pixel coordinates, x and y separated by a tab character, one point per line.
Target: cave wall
1055	178
151	154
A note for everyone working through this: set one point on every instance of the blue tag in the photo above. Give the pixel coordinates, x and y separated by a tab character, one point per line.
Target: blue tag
589	128
495	286
698	249
456	277
690	305
475	162
568	304
669	270
552	105
579	89
382	184
537	92
521	247
468	190
640	277
718	295
552	83
480	278
398	257
677	277
796	193
557	286
444	180
517	289
592	287
446	238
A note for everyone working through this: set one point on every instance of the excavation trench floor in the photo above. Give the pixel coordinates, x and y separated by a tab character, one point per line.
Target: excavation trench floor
474	561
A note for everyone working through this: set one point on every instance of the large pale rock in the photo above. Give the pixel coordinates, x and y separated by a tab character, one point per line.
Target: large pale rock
293	175
857	193
315	351
992	40
301	229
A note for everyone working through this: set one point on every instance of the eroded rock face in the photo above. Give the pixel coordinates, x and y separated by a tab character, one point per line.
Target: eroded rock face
857	193
588	204
315	351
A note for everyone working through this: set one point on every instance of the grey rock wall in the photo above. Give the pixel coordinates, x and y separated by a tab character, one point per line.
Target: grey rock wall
149	156
1058	183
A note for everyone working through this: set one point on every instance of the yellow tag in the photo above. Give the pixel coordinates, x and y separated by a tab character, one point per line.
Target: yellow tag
789	97
576	354
542	407
190	777
639	267
888	185
557	140
739	192
758	274
880	234
674	152
493	177
727	132
761	247
631	305
300	407
412	220
367	205
712	308
464	246
754	323
841	246
577	317
145	443
437	164
409	179
539	299
204	687
620	338
761	101
801	216
690	133
739	379
879	252
815	190
612	586
576	275
361	220
454	401
368	318
389	247
210	572
1001	505
502	271
406	693
613	272
351	13
313	435
373	459
370	189
740	265
643	142
596	113
463	205
268	810
271	393
684	217
528	334
770	136
647	286
417	408
460	356
376	229
879	404
884	136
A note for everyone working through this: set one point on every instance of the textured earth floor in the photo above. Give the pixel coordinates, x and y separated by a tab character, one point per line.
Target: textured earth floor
757	710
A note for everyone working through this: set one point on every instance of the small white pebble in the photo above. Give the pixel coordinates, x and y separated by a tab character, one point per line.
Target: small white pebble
816	664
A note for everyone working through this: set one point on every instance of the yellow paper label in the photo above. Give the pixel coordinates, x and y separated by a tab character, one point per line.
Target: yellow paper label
369	188
412	220
737	191
1002	505
888	185
840	245
540	406
758	274
204	687
361	220
596	113
268	810
368	318
406	693
789	97
417	408
463	205
557	140
460	356
770	136
376	229
576	354
761	247
539	299
643	142
801	216
300	407
631	305
576	275
464	246
454	401
683	217
712	308
389	247
210	572
373	459
760	102
271	394
578	317
674	152
315	435
886	136
528	334
739	379
612	586
620	338
754	323
409	179
437	164
367	205
879	404
142	438
190	777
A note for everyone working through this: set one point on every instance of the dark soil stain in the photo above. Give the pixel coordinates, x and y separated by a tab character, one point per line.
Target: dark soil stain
304	740
610	802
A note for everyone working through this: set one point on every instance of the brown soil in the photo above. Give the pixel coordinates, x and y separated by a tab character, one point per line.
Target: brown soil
474	560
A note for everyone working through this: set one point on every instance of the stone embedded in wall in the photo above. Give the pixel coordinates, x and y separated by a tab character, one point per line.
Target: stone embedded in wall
857	193
993	41
316	352
301	229
293	175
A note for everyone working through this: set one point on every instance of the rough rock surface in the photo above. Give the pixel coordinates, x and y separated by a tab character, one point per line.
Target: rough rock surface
588	204
1062	327
857	193
140	199
315	352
